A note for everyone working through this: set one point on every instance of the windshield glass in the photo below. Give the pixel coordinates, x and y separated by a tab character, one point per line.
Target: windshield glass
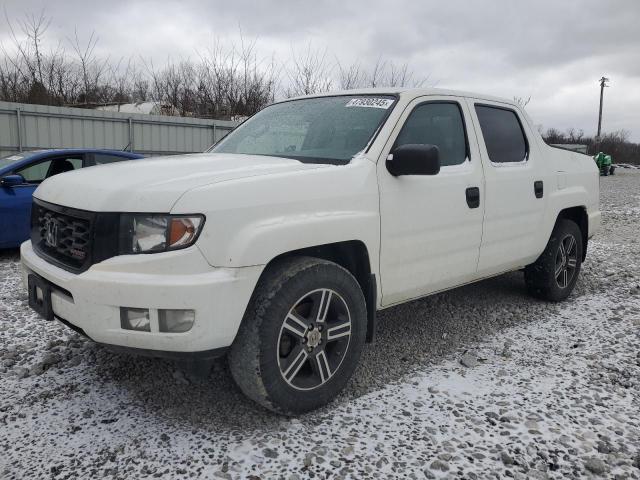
4	161
313	130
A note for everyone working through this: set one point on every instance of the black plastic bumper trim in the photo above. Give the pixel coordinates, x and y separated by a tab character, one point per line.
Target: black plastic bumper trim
372	314
144	352
201	355
72	326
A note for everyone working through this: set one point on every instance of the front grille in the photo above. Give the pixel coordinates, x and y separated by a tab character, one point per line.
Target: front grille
71	235
81	239
62	235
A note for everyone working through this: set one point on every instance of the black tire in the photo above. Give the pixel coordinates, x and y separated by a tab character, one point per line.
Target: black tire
542	277
611	170
263	356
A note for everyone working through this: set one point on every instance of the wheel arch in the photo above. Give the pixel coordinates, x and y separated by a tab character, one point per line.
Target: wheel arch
352	255
579	216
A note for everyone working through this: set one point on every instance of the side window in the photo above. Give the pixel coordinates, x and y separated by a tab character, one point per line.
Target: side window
503	134
439	124
62	165
103	158
35	173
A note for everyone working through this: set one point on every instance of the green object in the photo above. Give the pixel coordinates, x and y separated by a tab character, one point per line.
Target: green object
604	163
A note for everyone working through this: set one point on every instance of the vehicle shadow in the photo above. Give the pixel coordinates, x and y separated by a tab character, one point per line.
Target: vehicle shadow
410	336
9	254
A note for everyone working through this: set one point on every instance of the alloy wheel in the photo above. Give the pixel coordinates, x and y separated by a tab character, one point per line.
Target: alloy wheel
566	261
314	339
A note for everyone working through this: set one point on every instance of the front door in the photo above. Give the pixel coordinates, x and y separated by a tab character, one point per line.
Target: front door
15	208
15	202
431	226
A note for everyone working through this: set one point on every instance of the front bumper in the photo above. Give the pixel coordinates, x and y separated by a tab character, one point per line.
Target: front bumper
91	301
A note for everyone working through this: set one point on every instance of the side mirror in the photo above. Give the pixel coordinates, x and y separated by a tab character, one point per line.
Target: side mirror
12	180
414	159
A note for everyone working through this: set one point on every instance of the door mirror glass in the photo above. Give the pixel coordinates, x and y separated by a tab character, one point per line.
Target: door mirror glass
12	180
414	159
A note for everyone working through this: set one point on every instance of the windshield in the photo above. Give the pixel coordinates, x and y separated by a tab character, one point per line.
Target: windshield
5	161
312	130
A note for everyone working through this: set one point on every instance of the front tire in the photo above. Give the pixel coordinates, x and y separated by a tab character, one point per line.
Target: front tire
301	337
555	273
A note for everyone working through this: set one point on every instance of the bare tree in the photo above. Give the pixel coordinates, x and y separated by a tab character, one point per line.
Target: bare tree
34	27
375	78
309	72
350	77
28	62
91	69
226	80
616	143
382	74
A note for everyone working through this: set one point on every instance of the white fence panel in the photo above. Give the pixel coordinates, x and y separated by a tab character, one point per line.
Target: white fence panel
26	127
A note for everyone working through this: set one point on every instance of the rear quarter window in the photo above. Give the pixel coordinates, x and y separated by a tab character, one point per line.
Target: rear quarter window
503	134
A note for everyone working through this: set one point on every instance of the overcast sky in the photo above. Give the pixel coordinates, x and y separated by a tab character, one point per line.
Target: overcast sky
554	51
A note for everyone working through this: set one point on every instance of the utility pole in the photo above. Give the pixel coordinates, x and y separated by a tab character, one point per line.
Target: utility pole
603	83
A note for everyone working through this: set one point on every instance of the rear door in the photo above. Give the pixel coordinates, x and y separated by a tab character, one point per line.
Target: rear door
515	187
430	233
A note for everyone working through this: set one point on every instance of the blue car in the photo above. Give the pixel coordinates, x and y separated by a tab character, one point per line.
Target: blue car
21	173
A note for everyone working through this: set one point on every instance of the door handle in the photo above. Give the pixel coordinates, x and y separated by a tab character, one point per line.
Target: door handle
538	188
473	197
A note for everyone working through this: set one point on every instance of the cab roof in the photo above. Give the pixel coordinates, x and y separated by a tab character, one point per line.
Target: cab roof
409	92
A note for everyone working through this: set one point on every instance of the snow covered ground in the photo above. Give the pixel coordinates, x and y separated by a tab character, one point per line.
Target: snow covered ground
480	382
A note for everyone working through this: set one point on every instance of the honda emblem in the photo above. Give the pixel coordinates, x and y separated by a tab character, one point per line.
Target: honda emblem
51	233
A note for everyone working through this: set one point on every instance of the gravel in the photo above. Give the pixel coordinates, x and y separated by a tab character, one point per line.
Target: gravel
478	382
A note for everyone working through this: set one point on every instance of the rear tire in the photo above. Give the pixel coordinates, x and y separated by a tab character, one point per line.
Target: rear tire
554	274
301	337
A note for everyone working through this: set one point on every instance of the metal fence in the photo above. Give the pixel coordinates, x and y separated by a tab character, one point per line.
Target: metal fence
31	127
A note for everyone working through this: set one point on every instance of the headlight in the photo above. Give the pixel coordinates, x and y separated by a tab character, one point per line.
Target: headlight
150	233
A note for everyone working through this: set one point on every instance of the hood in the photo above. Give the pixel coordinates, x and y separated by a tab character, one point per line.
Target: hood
155	184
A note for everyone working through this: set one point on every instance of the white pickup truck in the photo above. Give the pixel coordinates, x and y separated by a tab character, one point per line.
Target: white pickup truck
278	246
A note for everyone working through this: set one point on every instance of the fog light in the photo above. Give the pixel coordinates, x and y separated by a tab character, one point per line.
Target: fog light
135	319
176	321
